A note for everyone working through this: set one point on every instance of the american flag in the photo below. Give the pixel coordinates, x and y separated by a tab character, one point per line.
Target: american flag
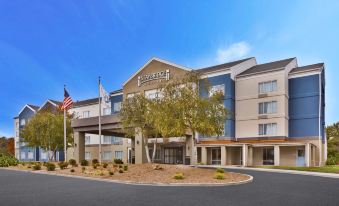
67	101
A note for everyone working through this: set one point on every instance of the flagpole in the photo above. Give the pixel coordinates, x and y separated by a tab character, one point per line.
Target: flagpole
99	122
65	141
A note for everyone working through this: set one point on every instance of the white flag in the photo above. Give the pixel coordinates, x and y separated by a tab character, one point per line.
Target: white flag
103	94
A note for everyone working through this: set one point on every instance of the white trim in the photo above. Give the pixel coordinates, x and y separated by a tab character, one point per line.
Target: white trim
159	60
116	94
320	141
303	74
214	74
28	107
48	100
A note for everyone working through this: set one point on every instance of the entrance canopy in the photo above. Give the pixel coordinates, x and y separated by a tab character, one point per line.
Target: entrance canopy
110	125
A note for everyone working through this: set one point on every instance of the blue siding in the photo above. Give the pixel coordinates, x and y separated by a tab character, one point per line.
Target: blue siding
229	99
115	99
304	106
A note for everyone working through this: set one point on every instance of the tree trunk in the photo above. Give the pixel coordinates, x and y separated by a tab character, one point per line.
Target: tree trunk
146	148
154	148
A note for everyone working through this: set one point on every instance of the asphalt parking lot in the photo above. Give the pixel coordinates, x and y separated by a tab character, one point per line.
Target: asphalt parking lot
23	188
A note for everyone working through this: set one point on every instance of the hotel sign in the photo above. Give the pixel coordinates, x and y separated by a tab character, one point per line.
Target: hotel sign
162	75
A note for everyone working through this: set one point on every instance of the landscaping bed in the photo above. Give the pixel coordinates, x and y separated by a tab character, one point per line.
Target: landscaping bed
148	173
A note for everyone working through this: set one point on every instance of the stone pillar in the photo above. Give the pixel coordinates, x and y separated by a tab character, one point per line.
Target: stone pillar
204	155
276	155
79	146
223	155
244	155
307	154
250	156
139	148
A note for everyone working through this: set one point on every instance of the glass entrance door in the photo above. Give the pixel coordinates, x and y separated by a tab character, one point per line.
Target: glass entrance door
268	156
173	155
300	157
216	156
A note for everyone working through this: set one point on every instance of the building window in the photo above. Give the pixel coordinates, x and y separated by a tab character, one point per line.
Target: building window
157	153
107	111
216	156
268	107
107	155
88	155
22	155
87	139
153	94
43	155
17	125
217	88
116	140
85	114
268	129
22	122
265	87
107	139
118	155
30	155
117	107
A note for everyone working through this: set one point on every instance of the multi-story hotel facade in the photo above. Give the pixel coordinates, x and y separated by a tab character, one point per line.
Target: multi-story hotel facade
276	115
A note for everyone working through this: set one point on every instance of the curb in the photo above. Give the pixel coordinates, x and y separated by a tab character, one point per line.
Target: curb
250	179
294	172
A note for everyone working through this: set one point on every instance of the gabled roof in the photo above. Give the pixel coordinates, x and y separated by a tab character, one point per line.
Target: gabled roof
221	66
159	60
312	67
86	102
262	68
116	92
53	102
31	107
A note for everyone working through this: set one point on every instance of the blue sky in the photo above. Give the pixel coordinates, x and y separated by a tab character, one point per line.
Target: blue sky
45	43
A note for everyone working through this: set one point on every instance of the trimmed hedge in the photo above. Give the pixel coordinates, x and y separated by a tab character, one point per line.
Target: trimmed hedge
7	160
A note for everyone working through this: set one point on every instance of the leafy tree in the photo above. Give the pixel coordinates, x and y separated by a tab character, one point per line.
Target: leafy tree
332	134
10	146
46	130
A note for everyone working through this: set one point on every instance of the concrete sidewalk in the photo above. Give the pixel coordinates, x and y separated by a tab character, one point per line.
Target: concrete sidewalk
318	174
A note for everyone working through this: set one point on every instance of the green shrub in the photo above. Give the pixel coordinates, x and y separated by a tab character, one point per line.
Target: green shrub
121	171
331	160
95	166
120	166
72	170
72	162
105	165
8	160
125	167
115	165
95	161
219	176
37	167
83	169
111	173
29	166
118	161
84	163
220	170
179	176
50	166
63	165
23	163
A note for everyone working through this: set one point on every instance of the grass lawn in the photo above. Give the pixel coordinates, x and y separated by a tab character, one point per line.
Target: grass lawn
326	169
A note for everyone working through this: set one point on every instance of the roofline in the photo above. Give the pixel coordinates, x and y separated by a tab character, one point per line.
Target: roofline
309	72
28	107
263	72
159	60
116	94
48	100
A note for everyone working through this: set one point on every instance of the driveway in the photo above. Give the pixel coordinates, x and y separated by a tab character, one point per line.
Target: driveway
22	188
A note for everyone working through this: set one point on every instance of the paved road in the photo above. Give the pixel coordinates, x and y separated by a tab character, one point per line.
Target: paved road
22	188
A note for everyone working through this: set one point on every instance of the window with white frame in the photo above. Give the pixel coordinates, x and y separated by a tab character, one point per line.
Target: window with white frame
85	114
269	86
17	125
107	111
116	106
268	107
22	122
217	88
107	139
43	155
22	155
268	129
118	155
116	140
107	155
88	155
153	94
87	139
30	155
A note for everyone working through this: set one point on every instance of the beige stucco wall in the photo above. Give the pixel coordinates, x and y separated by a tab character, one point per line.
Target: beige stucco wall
247	104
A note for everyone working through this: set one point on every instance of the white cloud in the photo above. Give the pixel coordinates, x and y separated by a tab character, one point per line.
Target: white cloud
234	51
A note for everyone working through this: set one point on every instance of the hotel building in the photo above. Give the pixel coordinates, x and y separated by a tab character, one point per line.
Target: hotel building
276	115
